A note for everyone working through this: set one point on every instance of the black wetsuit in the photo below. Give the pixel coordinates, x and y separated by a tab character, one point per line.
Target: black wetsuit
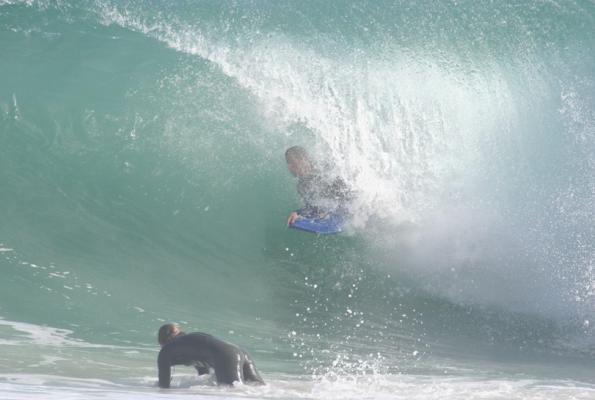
203	351
321	194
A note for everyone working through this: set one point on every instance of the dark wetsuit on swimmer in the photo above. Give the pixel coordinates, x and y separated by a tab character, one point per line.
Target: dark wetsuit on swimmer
204	351
322	194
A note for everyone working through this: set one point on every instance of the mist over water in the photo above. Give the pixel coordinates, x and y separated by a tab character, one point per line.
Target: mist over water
143	181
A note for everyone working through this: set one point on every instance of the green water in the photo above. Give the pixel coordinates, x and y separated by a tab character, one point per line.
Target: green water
143	181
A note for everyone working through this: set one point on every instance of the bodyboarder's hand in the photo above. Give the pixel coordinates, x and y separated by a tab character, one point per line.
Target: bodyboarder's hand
292	217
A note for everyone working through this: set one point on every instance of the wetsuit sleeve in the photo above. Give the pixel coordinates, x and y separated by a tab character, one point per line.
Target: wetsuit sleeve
309	210
304	192
164	365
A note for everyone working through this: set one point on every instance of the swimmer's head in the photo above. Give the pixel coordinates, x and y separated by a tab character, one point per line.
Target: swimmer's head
168	332
298	161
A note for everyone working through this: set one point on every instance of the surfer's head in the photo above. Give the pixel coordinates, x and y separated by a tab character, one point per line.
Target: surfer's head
168	332
298	161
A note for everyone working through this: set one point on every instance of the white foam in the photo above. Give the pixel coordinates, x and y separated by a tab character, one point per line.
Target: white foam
31	334
42	335
410	387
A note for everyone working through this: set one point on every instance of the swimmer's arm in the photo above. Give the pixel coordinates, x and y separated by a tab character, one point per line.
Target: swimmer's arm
164	371
308	212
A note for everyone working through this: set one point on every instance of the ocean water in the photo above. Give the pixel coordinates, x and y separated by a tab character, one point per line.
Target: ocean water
142	181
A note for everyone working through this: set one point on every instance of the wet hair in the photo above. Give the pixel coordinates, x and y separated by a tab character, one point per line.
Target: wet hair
296	152
165	333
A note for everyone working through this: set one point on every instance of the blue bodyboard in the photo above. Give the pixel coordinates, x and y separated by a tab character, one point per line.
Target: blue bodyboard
328	225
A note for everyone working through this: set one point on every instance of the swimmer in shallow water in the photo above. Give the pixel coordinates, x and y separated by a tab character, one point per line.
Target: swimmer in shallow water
203	351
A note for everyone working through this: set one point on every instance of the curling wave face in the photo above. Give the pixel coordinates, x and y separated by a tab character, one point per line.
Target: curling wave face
143	180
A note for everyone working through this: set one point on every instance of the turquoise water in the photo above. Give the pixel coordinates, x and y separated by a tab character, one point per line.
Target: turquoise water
143	181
